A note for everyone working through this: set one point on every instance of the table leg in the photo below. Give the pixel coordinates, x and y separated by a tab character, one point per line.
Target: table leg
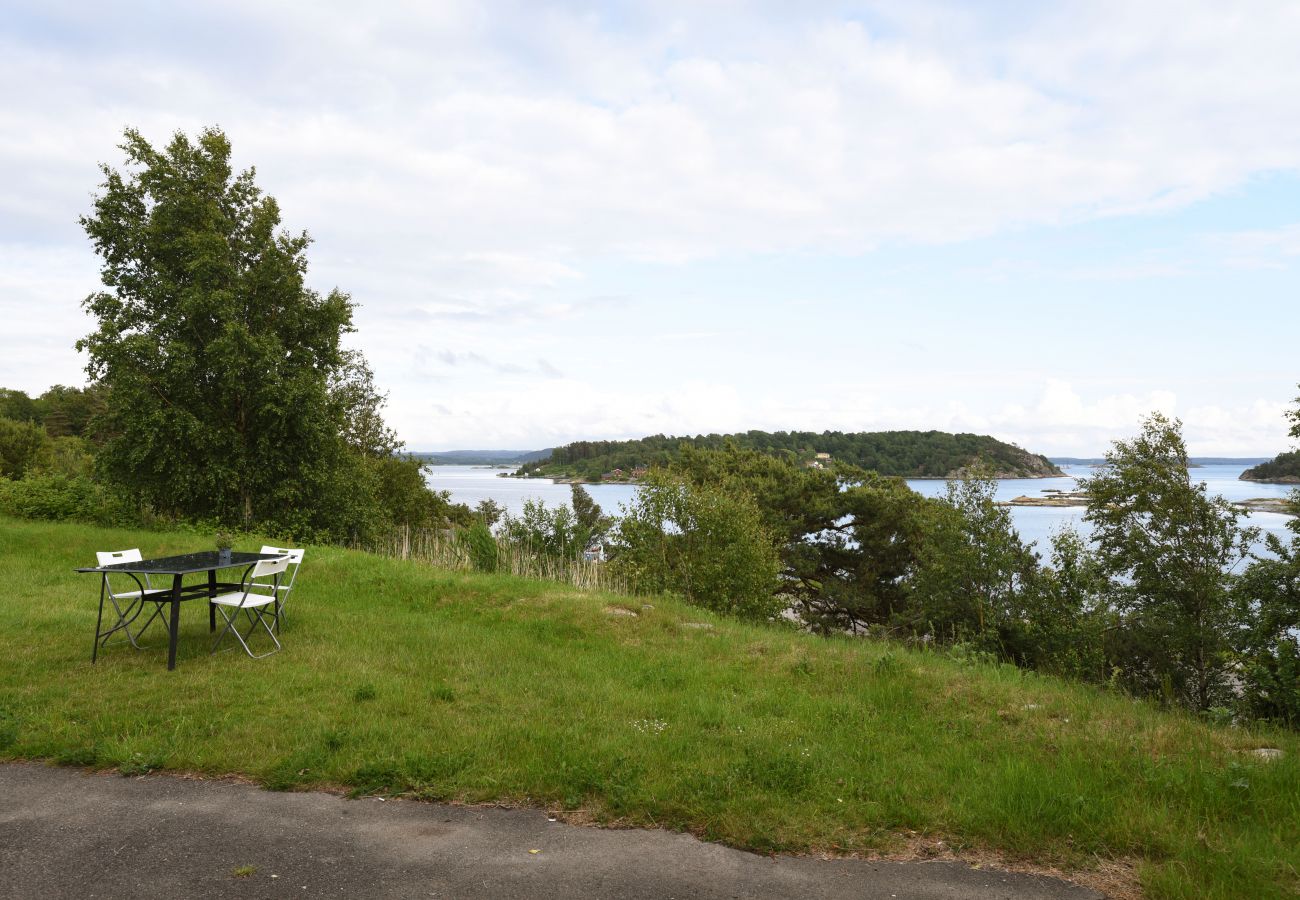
212	608
99	622
175	622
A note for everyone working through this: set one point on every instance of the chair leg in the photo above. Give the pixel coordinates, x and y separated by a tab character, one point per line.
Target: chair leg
157	614
122	623
255	617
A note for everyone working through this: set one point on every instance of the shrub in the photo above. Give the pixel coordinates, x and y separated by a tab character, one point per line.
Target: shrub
24	447
64	498
481	546
546	531
706	543
1268	597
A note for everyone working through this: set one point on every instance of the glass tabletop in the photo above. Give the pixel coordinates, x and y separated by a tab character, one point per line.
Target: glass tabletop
185	564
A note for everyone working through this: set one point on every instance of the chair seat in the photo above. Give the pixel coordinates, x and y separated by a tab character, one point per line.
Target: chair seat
240	599
148	592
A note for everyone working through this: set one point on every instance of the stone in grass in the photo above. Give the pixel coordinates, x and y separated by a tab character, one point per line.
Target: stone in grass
621	611
707	626
1267	753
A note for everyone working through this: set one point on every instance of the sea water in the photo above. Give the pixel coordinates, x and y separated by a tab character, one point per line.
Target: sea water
1036	524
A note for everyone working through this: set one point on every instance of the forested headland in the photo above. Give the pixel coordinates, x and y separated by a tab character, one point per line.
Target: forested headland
1283	469
904	454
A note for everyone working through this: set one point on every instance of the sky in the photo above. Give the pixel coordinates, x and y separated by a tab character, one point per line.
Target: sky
1039	221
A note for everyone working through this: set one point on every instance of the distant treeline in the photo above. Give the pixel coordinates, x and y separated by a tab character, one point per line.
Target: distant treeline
1285	467
480	457
909	454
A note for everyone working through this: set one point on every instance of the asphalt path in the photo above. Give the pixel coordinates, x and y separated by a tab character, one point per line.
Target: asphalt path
68	833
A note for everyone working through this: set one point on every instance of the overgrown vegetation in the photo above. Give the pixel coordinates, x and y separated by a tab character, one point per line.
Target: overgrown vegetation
402	678
909	454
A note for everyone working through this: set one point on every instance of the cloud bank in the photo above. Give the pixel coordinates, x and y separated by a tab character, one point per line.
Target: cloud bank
488	179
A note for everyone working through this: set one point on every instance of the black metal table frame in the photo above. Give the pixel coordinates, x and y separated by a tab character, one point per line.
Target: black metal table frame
178	567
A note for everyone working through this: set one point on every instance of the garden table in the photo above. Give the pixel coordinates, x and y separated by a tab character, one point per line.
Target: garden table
210	561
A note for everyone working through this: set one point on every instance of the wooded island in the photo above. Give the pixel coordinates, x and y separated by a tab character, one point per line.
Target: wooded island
906	454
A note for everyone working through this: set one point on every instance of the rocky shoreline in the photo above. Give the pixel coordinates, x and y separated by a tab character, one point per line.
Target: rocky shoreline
1079	499
1267	504
1051	498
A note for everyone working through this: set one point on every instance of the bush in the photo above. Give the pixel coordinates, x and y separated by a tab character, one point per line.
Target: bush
973	577
706	543
481	546
1268	597
24	447
64	498
545	531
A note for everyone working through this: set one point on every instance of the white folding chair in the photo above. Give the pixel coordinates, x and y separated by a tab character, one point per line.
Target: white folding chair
134	601
252	598
282	592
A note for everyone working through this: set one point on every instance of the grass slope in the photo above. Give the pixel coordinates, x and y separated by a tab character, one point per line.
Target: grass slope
397	677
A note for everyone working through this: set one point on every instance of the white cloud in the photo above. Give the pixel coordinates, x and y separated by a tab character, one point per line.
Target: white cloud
1059	421
466	167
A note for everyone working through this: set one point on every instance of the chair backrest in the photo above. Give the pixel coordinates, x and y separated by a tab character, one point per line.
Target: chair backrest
269	567
295	559
112	557
295	556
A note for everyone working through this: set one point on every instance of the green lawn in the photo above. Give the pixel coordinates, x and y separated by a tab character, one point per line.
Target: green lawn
397	677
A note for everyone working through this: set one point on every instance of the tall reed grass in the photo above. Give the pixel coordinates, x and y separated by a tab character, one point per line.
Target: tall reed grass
445	548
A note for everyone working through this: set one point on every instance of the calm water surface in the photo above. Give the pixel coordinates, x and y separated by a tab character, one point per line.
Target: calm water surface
471	484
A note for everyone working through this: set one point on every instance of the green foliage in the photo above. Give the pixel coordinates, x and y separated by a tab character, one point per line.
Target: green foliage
24	447
546	531
70	411
18	406
1268	597
216	356
706	543
846	538
1168	549
587	511
482	546
1285	466
72	456
1068	614
57	497
228	394
402	497
910	454
489	512
974	577
1293	416
63	411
